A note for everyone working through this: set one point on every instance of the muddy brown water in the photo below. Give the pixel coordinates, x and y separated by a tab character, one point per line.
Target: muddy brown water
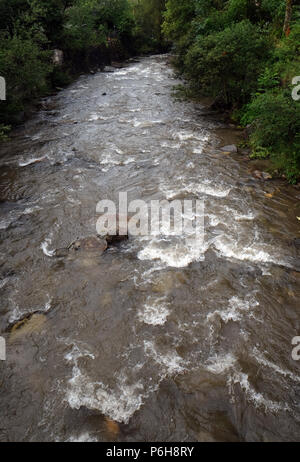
156	340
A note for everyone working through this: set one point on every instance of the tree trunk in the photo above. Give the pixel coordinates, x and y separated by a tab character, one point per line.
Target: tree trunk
288	17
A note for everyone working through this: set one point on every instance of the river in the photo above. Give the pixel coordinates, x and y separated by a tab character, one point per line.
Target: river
156	340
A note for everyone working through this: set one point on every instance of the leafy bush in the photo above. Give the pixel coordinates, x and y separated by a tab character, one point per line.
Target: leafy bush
147	33
227	64
25	67
276	120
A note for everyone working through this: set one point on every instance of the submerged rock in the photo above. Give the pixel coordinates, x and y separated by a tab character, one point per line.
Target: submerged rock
60	253
92	245
26	326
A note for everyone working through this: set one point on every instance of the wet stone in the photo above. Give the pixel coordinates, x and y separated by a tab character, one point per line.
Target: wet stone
231	148
94	244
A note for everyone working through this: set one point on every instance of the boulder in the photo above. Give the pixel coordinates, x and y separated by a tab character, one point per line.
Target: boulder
262	175
266	176
230	148
90	244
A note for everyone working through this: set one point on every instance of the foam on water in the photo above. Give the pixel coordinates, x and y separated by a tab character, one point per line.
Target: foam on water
45	248
154	312
170	362
119	403
94	117
15	315
18	313
171	145
258	399
30	210
185	135
24	163
200	148
236	310
219	364
256	253
261	359
146	123
84	438
145	278
205	187
175	254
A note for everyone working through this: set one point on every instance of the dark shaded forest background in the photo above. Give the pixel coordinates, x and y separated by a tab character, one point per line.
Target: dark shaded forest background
243	54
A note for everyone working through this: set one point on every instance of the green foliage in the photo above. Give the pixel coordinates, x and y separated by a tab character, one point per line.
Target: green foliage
177	18
226	64
148	36
81	28
276	119
90	22
234	51
25	67
88	31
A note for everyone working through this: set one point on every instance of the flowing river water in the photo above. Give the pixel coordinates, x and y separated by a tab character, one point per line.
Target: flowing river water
157	339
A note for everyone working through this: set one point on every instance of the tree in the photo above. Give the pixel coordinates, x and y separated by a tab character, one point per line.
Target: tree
149	17
288	17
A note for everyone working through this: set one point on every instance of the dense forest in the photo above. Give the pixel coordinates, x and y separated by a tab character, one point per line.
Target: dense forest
244	54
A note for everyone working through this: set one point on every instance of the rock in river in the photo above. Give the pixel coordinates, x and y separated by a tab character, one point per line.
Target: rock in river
230	148
90	244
